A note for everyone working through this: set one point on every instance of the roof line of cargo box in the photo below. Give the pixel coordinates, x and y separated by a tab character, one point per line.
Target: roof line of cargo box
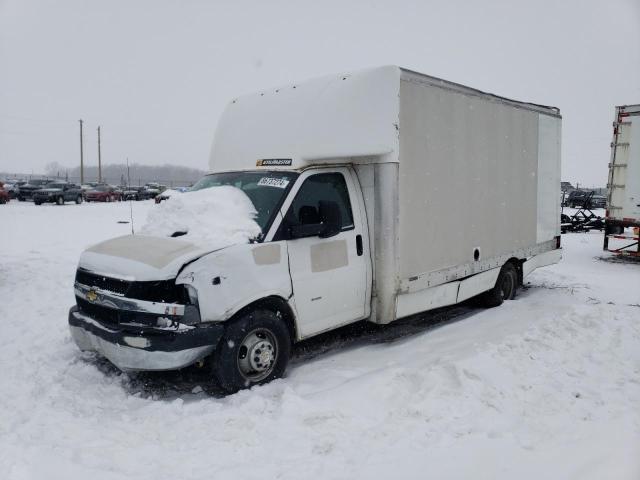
446	84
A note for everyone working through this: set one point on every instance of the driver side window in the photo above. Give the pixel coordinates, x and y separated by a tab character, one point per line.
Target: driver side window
308	206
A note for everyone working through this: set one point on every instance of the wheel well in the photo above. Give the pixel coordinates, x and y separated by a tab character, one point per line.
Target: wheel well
277	305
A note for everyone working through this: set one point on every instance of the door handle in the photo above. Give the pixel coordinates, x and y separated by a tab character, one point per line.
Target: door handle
359	245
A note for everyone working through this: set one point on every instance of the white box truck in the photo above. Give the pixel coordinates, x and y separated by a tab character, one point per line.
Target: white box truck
623	200
380	194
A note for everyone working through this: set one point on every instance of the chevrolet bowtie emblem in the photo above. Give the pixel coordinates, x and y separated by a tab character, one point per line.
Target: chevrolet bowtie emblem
92	296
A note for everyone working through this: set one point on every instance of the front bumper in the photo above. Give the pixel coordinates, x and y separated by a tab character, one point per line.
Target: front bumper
43	198
144	348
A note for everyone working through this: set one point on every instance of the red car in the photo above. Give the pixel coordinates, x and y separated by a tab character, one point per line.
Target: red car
102	194
4	195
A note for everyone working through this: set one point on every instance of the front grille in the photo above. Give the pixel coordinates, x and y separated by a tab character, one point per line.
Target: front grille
163	291
114	285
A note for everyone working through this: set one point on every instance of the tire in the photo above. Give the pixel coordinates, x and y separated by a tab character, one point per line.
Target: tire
20	199
60	201
254	350
37	203
504	289
79	199
614	229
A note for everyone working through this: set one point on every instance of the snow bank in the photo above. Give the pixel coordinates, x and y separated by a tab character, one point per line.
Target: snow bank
217	216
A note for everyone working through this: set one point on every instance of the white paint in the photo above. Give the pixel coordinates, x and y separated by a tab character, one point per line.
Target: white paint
242	280
329	297
541	260
476	284
624	170
427	299
345	115
548	175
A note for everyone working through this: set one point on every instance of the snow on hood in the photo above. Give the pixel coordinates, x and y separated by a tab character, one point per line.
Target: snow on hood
213	217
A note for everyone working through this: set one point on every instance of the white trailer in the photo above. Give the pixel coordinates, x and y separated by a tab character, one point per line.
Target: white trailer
623	201
380	194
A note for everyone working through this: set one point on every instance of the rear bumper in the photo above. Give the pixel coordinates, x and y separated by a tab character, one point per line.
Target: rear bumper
144	349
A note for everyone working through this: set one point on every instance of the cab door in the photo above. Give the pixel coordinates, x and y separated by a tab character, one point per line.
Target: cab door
330	270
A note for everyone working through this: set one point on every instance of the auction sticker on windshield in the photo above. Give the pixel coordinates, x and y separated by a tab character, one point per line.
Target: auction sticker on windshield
273	182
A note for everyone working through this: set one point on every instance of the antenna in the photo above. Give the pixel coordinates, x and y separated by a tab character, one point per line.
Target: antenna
130	201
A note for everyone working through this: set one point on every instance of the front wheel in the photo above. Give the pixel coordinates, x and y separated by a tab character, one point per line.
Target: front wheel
504	289
79	199
60	201
254	350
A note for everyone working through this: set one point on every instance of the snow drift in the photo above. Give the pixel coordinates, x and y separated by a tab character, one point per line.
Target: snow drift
216	217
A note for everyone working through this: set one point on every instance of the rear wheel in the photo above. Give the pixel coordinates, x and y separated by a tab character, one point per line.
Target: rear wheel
254	350
504	289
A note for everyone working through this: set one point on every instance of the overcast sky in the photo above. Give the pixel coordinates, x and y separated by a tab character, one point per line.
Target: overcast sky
156	74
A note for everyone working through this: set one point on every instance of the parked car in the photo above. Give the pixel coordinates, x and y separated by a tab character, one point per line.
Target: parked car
58	193
153	189
25	192
138	193
12	186
598	201
585	199
4	195
102	193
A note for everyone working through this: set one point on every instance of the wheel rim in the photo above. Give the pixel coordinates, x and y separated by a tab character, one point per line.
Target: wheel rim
257	354
506	289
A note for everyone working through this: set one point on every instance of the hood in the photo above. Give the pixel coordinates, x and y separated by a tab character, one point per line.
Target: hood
48	190
141	257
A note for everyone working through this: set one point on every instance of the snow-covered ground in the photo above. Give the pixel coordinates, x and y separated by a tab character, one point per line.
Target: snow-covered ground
546	386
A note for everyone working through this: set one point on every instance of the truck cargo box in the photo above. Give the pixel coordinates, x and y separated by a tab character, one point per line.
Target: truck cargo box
455	181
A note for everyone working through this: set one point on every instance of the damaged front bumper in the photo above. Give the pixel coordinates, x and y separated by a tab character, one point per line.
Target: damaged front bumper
136	334
144	348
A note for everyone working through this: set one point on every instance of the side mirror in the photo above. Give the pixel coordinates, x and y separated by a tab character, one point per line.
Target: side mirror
331	223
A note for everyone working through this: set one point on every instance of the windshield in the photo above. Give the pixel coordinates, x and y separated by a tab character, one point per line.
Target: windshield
101	189
266	189
56	185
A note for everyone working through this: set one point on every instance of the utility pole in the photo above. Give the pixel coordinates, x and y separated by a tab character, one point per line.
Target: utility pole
99	159
81	157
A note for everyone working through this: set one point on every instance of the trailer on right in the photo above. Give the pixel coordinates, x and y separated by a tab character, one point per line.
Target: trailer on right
623	200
